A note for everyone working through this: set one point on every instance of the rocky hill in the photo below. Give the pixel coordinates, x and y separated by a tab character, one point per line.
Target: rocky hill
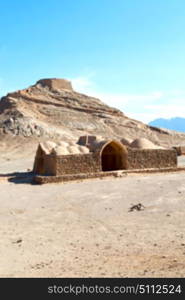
51	109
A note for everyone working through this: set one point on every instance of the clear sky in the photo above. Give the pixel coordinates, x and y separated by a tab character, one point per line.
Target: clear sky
131	53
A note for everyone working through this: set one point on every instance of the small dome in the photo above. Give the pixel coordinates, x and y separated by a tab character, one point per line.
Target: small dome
126	141
143	143
60	150
73	150
72	143
83	149
63	144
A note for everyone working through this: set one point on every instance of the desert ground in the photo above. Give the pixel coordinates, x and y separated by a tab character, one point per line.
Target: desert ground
85	229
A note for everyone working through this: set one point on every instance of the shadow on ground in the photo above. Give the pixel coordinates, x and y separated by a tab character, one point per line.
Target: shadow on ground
19	177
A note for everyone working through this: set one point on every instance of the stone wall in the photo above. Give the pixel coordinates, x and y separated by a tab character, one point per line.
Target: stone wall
39	179
78	164
151	158
51	165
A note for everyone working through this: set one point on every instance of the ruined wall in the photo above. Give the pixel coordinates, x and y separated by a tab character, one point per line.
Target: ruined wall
151	158
77	163
56	83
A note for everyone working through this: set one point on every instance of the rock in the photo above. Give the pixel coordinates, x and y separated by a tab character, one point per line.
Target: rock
52	109
137	207
17	241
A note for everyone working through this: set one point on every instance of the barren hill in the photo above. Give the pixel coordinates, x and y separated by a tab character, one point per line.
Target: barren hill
52	109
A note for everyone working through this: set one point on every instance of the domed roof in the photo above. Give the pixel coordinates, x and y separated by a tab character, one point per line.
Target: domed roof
62	143
83	149
126	141
72	143
63	148
73	150
60	150
142	143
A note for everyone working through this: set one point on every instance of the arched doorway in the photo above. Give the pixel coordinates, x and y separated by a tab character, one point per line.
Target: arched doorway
113	157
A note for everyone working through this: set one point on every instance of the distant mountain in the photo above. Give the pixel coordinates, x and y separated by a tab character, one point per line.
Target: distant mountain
177	123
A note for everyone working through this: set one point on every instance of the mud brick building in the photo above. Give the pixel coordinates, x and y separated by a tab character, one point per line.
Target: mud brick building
91	154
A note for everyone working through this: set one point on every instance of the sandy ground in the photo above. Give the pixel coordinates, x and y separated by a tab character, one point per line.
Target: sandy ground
84	229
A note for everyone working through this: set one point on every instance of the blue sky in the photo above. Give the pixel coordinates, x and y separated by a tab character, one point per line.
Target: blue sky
130	53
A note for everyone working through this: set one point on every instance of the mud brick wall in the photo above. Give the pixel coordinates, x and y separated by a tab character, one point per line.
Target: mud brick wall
178	150
151	158
50	165
182	150
44	164
77	164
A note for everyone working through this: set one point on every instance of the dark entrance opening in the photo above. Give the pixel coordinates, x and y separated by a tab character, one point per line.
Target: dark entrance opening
113	157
